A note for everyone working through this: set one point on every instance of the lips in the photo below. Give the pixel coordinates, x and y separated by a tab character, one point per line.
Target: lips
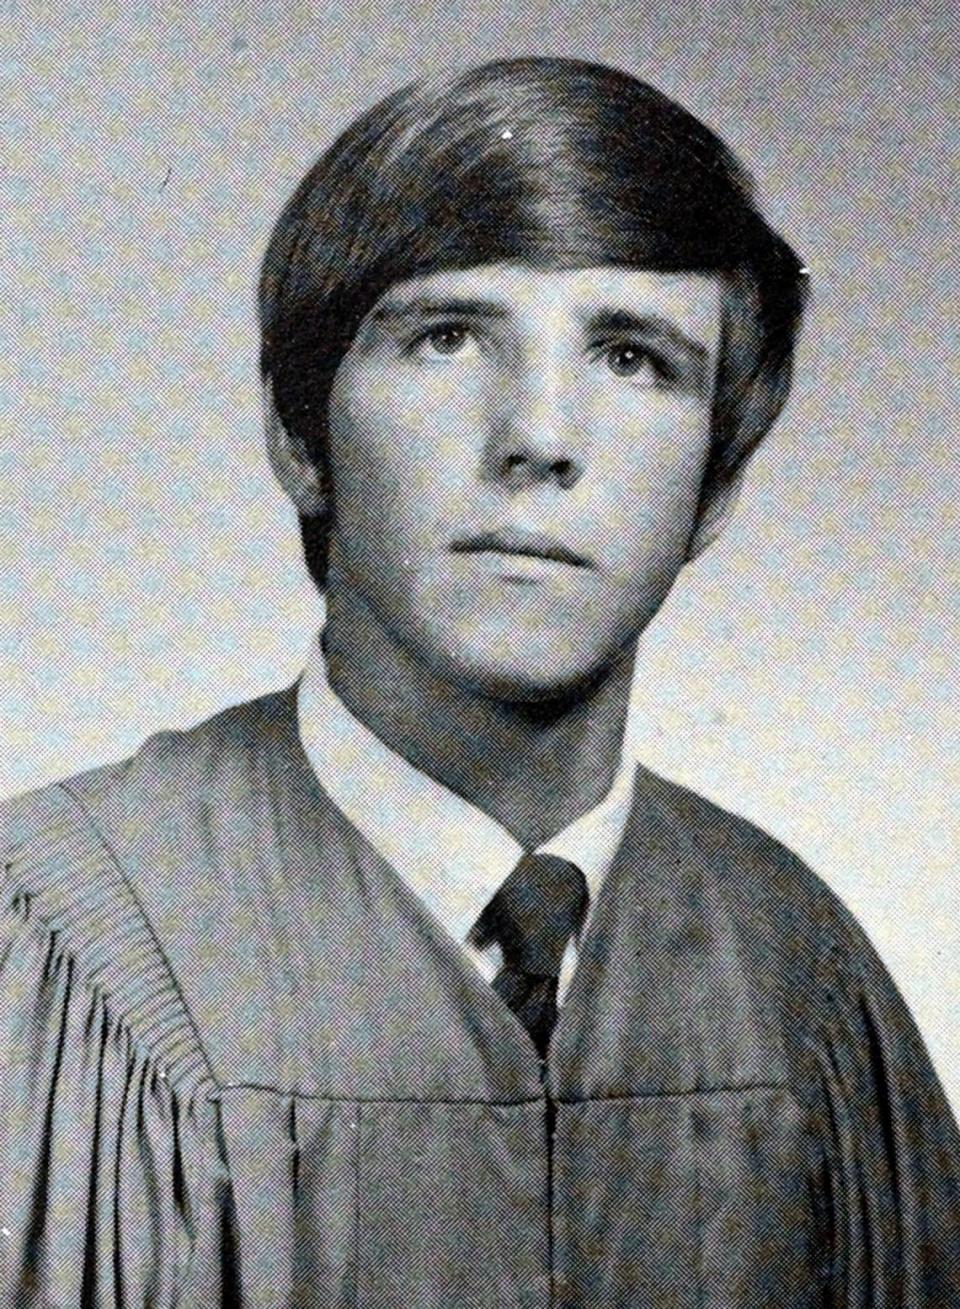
514	541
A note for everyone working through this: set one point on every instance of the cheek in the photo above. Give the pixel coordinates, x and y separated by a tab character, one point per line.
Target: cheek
652	490
398	459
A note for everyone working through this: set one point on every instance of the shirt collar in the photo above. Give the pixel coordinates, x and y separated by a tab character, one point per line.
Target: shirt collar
452	854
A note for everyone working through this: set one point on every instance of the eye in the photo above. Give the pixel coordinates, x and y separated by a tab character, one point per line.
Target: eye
444	339
630	359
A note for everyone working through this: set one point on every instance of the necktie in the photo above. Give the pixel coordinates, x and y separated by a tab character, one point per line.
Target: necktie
536	910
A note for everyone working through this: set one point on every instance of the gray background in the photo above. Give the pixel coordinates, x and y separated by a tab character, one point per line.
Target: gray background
804	672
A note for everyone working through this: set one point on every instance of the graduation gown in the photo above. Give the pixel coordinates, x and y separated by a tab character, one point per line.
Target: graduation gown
242	1065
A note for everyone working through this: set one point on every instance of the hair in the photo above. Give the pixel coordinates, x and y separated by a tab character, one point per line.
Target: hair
549	162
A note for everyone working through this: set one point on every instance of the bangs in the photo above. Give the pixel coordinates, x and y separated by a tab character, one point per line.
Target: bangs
596	169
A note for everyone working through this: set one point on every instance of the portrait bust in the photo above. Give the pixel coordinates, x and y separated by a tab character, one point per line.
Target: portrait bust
407	985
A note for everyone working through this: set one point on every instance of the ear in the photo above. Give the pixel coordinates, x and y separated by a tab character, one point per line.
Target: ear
750	410
716	509
292	466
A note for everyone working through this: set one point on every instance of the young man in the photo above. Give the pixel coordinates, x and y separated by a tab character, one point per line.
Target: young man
404	987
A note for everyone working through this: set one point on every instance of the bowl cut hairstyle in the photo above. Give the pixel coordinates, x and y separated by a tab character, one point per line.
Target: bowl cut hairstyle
550	162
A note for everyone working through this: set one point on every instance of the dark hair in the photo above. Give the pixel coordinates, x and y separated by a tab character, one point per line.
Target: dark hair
550	162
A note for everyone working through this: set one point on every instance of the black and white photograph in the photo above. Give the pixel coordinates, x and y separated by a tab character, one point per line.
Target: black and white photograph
480	614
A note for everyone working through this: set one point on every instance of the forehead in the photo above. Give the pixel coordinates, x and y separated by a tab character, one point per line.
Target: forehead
690	301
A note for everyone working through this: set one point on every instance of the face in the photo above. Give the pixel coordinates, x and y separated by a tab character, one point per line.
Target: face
516	458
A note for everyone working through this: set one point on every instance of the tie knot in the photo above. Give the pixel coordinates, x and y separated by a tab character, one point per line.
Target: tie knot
536	910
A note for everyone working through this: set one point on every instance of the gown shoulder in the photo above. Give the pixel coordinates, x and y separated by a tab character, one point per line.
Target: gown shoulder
888	1134
115	1184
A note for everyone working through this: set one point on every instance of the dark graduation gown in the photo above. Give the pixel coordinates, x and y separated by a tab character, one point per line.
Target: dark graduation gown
243	1065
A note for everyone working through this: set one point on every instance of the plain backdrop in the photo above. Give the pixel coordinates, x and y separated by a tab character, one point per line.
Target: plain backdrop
804	672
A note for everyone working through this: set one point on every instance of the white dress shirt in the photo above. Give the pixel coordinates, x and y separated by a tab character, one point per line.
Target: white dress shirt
450	853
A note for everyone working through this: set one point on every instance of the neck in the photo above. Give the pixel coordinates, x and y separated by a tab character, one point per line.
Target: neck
533	766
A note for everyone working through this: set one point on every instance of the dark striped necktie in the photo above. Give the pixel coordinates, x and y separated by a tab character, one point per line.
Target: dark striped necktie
538	907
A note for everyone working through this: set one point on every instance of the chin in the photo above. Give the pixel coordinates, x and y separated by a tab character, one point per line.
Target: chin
531	671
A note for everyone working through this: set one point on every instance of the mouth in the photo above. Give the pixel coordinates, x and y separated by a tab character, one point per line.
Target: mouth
513	541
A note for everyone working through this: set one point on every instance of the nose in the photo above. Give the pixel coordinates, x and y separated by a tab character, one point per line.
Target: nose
534	434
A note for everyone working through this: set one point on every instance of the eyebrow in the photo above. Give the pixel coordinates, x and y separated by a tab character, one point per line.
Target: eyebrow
423	307
605	318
